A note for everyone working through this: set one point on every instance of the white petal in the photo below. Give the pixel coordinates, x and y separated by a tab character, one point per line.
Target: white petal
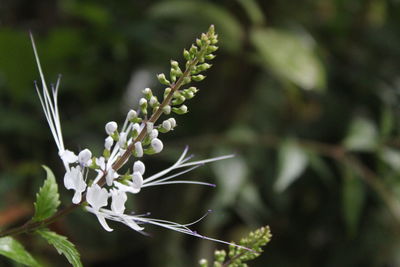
68	156
122	139
110	176
139	166
77	197
126	188
137	181
97	197
118	201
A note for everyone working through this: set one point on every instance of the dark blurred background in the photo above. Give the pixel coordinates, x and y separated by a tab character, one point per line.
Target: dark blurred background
305	93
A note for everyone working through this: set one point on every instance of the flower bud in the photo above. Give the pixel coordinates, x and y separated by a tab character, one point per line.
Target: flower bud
111	127
84	157
139	166
181	110
149	126
143	105
161	78
131	115
167	125
174	64
153	101
108	143
153	134
147	93
157	145
137	181
173	122
167	109
166	92
198	78
186	54
138	152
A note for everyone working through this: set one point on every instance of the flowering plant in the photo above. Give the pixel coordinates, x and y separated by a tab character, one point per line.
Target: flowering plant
97	181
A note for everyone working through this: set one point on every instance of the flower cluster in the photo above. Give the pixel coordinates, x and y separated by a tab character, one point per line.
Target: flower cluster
106	191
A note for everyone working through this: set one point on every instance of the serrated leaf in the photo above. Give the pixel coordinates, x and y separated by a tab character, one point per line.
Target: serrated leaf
12	249
47	200
290	56
362	135
293	161
353	195
62	245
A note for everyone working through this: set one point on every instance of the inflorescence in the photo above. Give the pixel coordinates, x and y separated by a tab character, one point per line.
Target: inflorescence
138	136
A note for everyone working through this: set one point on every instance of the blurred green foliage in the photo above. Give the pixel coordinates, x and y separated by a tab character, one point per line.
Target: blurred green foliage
305	93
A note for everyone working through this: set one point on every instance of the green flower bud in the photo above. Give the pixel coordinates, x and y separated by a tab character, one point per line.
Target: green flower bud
198	78
153	102
181	110
178	100
143	106
209	56
174	64
186	54
203	263
147	93
166	92
193	50
186	80
161	78
211	48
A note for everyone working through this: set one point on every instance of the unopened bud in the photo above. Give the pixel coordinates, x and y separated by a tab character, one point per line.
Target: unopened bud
161	78
139	166
84	157
111	127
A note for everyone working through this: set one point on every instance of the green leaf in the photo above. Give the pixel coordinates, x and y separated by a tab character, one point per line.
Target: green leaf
47	200
353	196
291	56
362	135
293	161
228	26
12	249
62	245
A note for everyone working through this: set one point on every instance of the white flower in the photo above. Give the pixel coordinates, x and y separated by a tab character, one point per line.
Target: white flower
73	179
118	201
98	197
139	166
157	145
108	143
111	127
85	157
138	149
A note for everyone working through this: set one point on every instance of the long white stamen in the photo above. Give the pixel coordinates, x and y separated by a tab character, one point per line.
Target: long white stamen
179	182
